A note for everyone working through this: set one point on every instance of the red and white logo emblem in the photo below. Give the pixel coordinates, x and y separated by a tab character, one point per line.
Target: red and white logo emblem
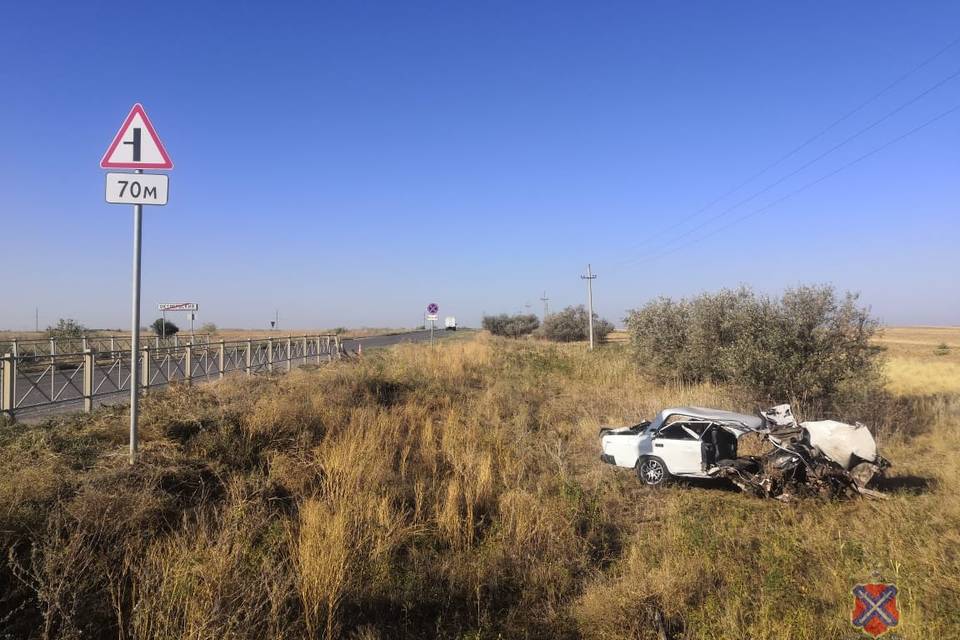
875	608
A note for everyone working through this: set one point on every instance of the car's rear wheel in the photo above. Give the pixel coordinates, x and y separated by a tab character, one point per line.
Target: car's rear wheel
653	472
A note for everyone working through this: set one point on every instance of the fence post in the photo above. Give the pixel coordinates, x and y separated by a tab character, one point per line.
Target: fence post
318	350
53	347
329	351
9	375
289	354
156	341
144	368
16	351
176	340
304	350
83	343
89	362
269	354
249	357
336	340
188	364
223	362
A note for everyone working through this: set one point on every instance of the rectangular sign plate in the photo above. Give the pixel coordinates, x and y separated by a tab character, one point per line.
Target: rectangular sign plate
178	306
137	188
432	316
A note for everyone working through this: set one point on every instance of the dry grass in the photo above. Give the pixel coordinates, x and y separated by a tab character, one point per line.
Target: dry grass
447	492
921	342
922	360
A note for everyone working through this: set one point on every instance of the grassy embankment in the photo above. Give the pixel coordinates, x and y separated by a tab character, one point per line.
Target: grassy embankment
447	492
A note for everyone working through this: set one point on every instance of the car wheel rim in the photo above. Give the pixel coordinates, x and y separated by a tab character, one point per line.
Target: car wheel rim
652	472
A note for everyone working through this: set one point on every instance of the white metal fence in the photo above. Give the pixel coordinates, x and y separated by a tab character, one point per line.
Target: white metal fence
33	380
54	346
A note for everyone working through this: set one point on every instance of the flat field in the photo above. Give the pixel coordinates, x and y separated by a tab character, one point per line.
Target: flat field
922	360
450	492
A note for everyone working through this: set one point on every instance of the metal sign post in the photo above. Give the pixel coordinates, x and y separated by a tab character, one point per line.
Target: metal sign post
135	329
163	307
136	146
432	310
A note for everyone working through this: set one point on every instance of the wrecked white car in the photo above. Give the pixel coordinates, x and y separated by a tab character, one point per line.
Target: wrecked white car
683	441
825	457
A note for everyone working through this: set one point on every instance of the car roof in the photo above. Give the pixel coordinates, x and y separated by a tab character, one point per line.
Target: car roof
744	421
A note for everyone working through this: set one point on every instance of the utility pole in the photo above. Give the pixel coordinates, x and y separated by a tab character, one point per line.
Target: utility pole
544	300
590	277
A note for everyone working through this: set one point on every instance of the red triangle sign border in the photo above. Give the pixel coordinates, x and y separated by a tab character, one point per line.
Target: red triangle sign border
136	110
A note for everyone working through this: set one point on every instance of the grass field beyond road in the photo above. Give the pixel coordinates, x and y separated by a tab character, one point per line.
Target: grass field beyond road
922	360
449	492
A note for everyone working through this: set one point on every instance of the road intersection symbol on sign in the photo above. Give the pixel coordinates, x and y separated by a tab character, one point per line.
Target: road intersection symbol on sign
433	308
136	145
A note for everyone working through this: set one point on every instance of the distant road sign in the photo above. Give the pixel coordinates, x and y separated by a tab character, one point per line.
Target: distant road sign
136	145
137	188
433	308
178	306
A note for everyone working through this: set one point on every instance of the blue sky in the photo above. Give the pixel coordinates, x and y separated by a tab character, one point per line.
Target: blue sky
349	162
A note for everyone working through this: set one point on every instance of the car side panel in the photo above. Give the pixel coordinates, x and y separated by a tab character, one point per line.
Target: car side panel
625	449
682	457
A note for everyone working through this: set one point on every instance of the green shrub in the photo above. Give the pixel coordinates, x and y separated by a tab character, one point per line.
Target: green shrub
511	326
164	329
66	328
810	347
572	325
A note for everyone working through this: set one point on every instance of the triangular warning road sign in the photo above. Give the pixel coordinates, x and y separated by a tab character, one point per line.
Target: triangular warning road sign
136	145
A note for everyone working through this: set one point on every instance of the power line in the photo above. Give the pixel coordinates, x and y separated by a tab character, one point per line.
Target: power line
807	164
590	277
889	143
544	300
808	141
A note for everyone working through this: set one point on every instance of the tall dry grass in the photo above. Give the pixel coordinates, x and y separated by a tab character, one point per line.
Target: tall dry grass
444	492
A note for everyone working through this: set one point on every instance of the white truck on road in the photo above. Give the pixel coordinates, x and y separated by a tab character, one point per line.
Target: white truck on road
450	323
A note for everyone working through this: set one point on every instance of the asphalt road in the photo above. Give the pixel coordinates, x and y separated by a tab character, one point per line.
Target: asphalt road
69	383
385	341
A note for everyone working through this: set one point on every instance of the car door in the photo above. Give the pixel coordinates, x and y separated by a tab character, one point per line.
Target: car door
679	448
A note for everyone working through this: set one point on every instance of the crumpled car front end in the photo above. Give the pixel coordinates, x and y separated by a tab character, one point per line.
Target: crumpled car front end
822	458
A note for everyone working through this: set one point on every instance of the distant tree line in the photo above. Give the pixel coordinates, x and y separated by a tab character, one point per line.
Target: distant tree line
511	326
570	325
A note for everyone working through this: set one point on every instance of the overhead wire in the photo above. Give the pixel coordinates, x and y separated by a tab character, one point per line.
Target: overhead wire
810	140
805	165
660	255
